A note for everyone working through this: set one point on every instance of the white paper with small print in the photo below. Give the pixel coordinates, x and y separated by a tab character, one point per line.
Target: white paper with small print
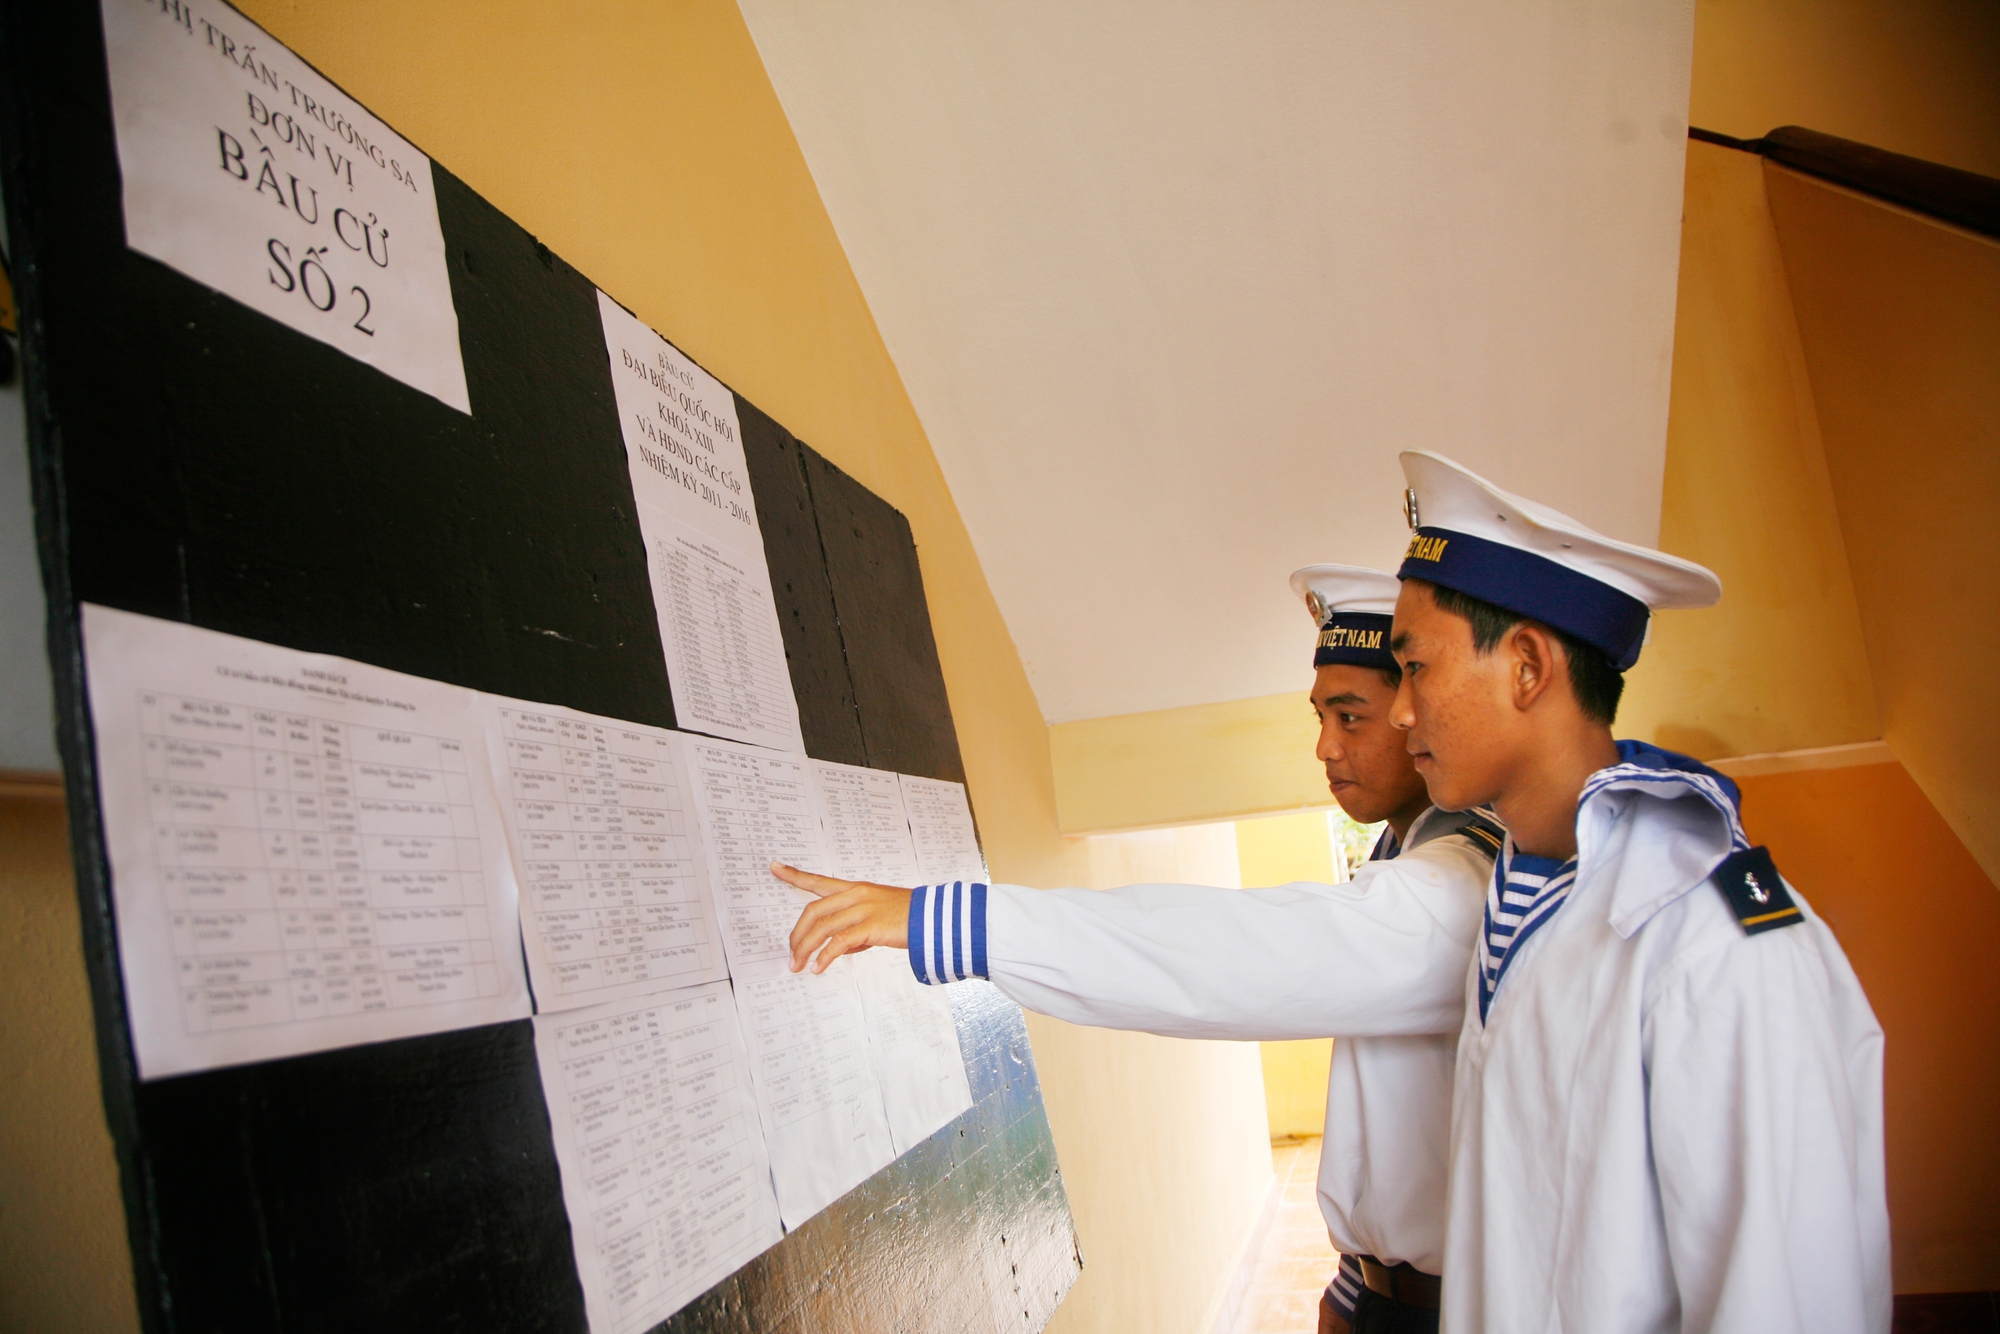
808	1036
603	834
247	171
704	551
941	826
664	1170
912	1039
306	852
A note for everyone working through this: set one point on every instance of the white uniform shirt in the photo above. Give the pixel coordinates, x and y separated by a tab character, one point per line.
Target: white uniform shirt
1664	1123
1379	962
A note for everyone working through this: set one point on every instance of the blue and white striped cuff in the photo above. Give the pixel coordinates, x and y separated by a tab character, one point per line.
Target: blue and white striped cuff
948	932
1345	1290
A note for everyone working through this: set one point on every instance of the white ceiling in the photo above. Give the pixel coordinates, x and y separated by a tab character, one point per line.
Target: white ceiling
1170	284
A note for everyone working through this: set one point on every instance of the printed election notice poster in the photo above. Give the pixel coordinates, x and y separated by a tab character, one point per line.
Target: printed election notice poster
808	1037
247	171
604	848
912	1041
711	588
306	852
941	826
663	1164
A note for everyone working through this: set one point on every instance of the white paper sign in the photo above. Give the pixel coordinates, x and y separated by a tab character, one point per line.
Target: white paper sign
604	846
704	550
663	1165
941	827
247	171
823	1112
867	828
306	852
912	1039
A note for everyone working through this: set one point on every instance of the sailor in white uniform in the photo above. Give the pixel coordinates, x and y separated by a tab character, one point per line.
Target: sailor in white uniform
1668	1105
1380	962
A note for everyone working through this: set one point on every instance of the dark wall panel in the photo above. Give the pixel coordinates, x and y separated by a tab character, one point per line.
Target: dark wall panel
813	652
968	1233
878	589
400	1185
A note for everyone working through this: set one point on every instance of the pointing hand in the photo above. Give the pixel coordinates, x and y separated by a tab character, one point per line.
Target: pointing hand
847	917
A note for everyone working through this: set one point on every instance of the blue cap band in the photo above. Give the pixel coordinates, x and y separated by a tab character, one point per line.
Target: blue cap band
1355	638
1532	586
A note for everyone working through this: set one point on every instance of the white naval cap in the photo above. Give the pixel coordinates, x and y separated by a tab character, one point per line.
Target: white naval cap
1352	608
1536	562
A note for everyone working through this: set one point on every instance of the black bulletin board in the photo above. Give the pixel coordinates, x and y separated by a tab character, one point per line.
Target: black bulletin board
195	461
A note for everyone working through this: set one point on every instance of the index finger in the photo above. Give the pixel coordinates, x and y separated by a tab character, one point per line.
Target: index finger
822	885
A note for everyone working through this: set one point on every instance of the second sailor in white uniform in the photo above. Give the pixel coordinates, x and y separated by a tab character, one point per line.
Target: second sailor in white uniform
1379	962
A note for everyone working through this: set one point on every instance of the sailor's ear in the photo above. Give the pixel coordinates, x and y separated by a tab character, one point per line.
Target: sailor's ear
1535	660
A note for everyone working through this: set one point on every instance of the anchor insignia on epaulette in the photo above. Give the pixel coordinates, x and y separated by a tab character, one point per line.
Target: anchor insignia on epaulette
1756	893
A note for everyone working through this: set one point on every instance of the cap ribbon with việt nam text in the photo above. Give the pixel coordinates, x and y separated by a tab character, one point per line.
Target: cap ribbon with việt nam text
1352	608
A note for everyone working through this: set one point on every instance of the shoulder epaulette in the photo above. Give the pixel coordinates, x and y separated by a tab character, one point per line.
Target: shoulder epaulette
1485	835
1484	832
1756	893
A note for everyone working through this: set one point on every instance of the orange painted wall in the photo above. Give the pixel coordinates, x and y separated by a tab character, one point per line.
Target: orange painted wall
1899	320
1746	493
1912	76
1918	919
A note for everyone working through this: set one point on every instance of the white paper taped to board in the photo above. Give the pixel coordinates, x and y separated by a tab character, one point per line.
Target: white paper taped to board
941	826
704	550
912	1039
247	171
306	852
664	1170
816	1088
603	834
867	829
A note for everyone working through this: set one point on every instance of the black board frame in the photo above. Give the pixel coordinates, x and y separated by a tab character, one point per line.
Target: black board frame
411	1184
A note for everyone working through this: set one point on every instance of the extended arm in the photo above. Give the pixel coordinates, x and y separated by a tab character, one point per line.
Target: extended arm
1385	953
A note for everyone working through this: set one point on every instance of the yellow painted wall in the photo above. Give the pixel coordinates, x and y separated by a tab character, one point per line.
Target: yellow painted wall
643	142
1213	1148
1900	321
64	1264
1295	1075
1746	489
1277	850
1182	766
1912	76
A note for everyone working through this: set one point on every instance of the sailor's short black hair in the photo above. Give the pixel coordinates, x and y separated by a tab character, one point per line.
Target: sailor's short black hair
1596	684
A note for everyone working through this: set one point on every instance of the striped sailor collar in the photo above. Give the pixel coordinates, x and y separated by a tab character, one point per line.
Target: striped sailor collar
1683	818
1525	892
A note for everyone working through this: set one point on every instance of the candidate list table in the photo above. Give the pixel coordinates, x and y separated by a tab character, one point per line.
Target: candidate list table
757	809
806	1033
312	868
730	658
602	834
663	1167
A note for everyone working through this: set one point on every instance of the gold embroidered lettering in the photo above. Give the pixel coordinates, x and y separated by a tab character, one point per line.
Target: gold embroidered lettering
1427	548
